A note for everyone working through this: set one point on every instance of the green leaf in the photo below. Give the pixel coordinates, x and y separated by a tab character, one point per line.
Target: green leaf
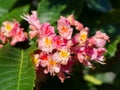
99	5
15	14
92	79
5	6
49	11
112	48
16	69
106	77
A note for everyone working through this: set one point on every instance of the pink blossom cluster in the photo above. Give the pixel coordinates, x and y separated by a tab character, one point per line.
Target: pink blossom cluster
11	32
57	52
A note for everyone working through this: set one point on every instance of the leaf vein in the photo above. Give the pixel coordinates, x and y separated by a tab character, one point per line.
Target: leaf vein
20	70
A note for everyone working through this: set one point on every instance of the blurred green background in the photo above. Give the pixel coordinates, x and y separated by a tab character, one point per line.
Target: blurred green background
101	15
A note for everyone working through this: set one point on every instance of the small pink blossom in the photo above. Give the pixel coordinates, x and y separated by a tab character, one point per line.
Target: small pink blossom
100	42
3	38
78	25
52	67
91	42
7	27
73	22
64	28
81	37
101	35
18	36
100	38
44	57
32	19
59	42
71	19
84	59
34	22
33	33
46	44
62	56
100	55
88	54
46	30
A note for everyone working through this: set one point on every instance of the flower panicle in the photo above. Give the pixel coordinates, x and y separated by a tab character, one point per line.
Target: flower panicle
11	32
57	52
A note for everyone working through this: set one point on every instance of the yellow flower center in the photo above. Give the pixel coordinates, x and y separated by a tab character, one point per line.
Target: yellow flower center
8	27
64	29
83	36
48	41
70	19
35	60
87	57
64	54
51	62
